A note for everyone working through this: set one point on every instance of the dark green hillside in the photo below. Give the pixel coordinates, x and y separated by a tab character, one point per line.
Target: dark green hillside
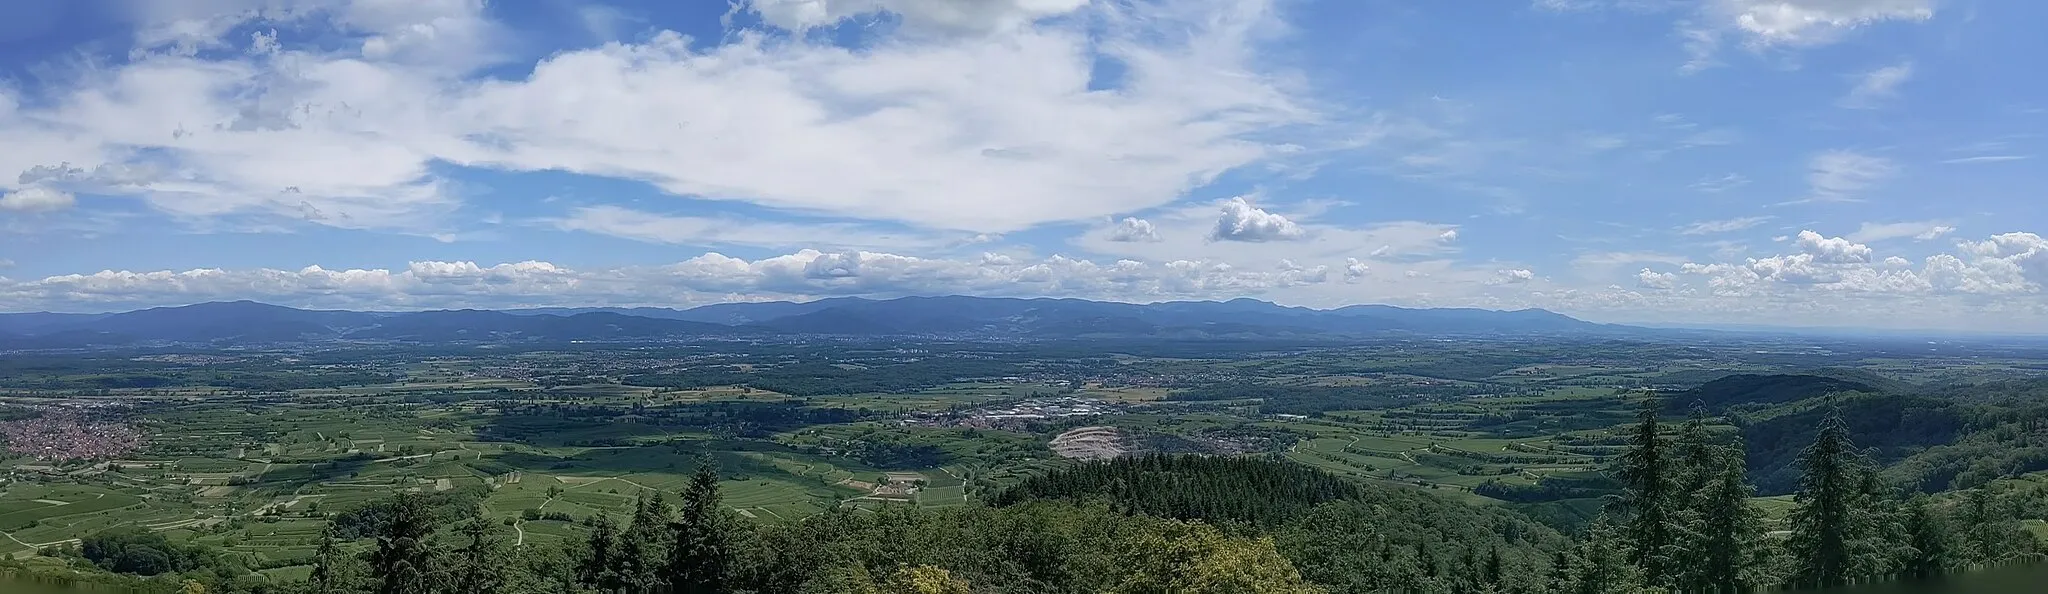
2008	436
1891	428
1250	490
1350	537
1752	390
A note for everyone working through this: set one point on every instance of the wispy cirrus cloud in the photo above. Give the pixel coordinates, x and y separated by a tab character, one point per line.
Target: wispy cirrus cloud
1986	159
1840	175
1716	185
1707	26
1920	230
650	227
1876	87
1722	225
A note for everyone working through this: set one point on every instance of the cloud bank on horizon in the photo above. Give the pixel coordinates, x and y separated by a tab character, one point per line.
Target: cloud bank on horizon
1803	162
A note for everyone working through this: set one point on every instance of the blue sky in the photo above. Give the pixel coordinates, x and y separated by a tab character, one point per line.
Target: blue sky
1869	163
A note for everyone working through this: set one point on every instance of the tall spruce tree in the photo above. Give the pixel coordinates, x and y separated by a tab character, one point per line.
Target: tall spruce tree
599	566
1989	534
1558	578
702	558
331	573
1825	522
1725	546
643	549
1881	525
1603	566
1928	538
1646	502
480	561
403	561
1698	461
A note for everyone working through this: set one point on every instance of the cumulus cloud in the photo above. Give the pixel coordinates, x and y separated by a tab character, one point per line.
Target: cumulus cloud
1721	226
36	199
1241	221
1651	279
1134	229
354	125
1514	276
1876	86
1355	269
1837	250
2006	264
1448	236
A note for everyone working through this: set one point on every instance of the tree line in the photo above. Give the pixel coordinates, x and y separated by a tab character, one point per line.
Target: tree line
1684	521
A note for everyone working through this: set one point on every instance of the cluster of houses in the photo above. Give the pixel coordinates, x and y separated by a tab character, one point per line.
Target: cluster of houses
1017	412
61	436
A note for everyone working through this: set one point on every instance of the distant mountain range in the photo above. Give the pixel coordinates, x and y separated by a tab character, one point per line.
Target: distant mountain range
248	322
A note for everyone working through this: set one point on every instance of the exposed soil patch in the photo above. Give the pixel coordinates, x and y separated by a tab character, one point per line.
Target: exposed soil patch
1091	443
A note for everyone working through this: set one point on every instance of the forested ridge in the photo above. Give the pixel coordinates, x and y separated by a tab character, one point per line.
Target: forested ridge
1926	438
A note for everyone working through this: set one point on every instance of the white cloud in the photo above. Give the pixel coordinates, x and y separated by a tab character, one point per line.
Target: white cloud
1134	229
1876	86
1920	230
707	231
1721	226
1448	236
1973	287
1834	250
1514	276
1185	234
708	278
36	199
452	35
1241	221
2006	264
605	23
1355	269
1935	232
915	130
942	15
1602	262
1651	279
1767	24
1838	175
1811	22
